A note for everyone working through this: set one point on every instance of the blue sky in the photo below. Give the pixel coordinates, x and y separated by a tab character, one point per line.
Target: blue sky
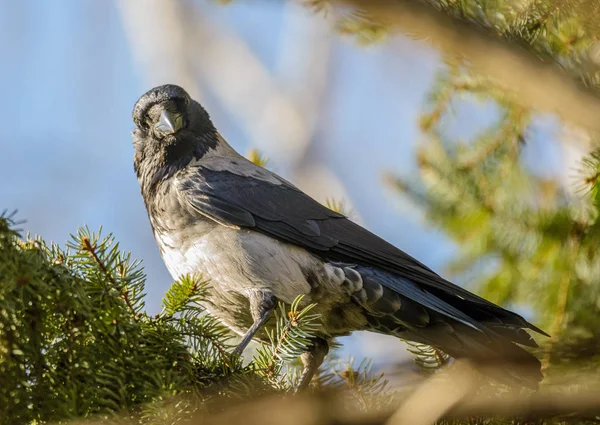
69	80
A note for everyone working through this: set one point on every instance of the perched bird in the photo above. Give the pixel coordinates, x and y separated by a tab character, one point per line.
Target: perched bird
260	240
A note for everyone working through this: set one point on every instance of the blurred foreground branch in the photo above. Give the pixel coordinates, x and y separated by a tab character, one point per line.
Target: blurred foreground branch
448	396
539	83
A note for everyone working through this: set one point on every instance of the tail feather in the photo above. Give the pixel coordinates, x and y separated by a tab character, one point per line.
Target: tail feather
484	333
499	358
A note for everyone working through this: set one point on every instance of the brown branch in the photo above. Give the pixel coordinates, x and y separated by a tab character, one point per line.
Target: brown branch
539	84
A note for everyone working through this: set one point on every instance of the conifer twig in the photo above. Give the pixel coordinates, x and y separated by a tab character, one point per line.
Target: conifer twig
91	249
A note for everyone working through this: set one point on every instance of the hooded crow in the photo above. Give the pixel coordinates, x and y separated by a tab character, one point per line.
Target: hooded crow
260	240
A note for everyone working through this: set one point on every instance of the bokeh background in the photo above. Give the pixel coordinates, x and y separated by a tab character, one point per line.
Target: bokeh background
332	115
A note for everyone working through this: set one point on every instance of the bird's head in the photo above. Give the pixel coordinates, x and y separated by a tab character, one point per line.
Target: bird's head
171	129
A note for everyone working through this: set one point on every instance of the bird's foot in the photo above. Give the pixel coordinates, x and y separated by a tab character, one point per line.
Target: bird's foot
312	360
262	305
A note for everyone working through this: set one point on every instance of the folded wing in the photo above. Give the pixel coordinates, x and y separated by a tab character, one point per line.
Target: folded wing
277	208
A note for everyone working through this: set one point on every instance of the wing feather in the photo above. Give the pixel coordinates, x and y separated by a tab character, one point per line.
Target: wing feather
279	209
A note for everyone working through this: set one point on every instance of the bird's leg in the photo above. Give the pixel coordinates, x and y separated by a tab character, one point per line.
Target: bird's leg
311	360
262	305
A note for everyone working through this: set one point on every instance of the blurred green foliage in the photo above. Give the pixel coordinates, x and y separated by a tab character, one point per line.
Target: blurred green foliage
531	241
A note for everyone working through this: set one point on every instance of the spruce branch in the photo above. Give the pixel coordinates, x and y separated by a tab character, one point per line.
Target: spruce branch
92	250
291	337
184	295
204	333
70	345
367	389
119	272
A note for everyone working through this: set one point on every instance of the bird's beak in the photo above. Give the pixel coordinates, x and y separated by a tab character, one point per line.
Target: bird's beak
169	122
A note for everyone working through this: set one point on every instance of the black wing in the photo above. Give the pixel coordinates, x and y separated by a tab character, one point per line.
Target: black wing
275	207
